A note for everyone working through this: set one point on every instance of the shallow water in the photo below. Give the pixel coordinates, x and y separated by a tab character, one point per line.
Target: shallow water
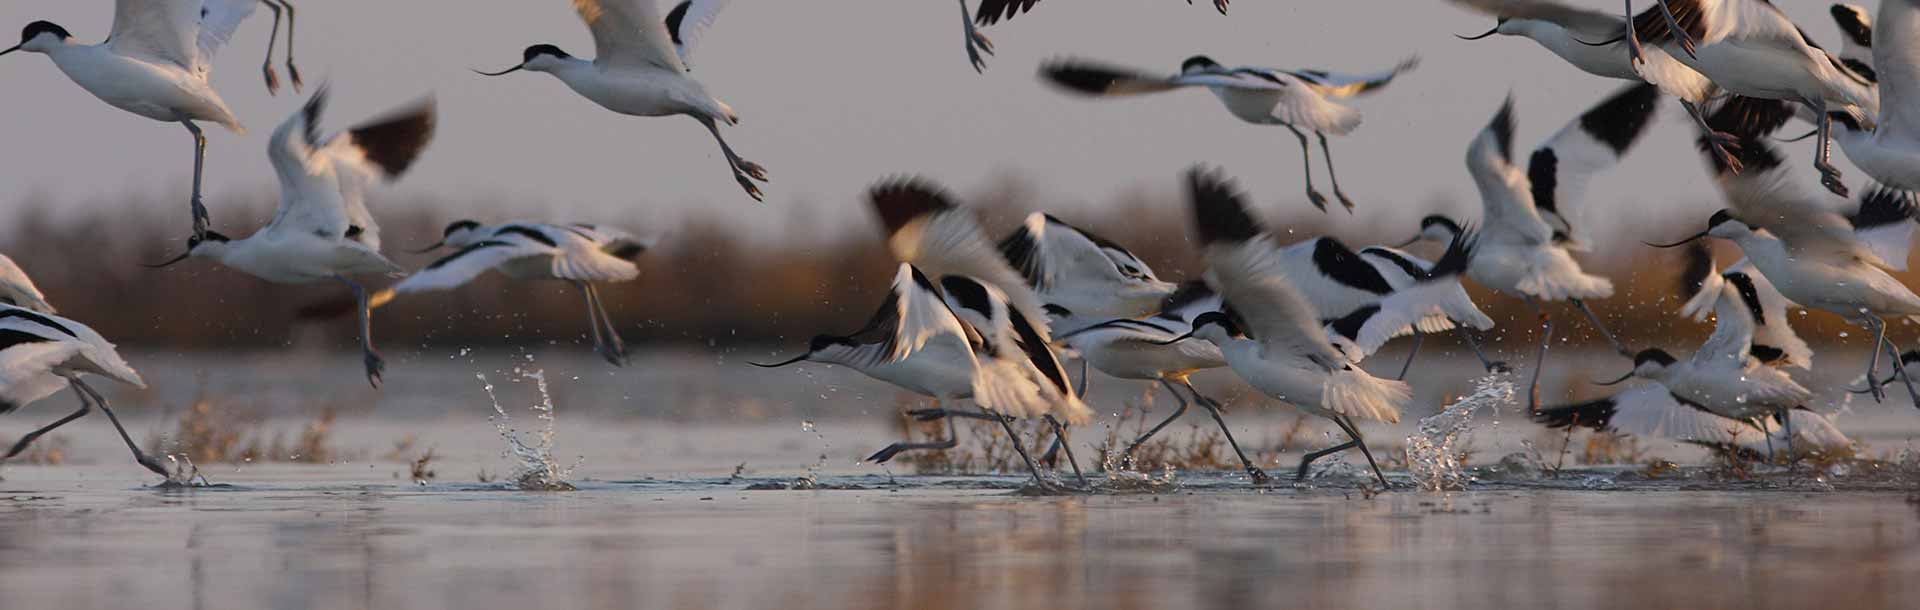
658	520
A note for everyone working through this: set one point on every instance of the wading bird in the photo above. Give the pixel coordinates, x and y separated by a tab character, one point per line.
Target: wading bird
1262	96
323	231
1889	148
156	63
637	69
580	254
1080	275
993	11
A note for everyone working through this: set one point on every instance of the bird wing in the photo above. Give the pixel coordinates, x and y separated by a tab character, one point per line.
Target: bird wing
310	200
218	21
1808	228
688	22
1896	60
377	151
1050	253
16	288
1653	410
26	365
469	262
1732	340
993	11
924	227
1104	80
1252	278
1559	170
1590	24
1505	193
26	326
1335	84
921	316
1884	223
629	34
163	30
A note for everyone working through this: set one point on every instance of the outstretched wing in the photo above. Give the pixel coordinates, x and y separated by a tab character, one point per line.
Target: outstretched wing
1250	274
1589	24
1505	194
377	151
924	227
1732	339
1104	80
1896	61
16	288
1884	223
1559	170
688	22
218	20
629	34
469	262
1335	84
162	30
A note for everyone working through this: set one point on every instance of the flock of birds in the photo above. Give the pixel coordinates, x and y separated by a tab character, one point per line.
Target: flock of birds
995	322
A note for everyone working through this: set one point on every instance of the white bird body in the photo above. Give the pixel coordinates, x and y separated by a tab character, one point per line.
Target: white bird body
1090	277
1890	150
1750	48
160	91
532	251
1561	29
42	351
1654	410
1136	349
1847	287
640	91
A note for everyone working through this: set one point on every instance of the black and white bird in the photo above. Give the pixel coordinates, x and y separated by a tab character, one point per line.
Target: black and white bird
1080	275
1652	410
1888	148
639	68
323	230
994	11
1270	334
41	353
1293	99
1774	340
1812	253
156	63
580	254
1376	294
1530	230
1856	42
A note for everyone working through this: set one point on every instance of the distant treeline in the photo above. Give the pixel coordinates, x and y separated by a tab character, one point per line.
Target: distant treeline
704	283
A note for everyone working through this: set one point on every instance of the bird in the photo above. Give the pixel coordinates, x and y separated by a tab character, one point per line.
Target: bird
1528	236
1808	251
156	63
638	70
1270	334
1599	44
266	68
41	352
1888	148
1750	48
1261	96
1653	410
580	254
1080	274
915	342
926	228
994	11
323	230
1373	295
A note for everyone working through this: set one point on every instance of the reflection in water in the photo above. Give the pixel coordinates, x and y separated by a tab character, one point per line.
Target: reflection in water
108	545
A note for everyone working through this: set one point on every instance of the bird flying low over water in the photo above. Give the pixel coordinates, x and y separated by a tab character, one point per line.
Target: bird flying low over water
1263	96
995	11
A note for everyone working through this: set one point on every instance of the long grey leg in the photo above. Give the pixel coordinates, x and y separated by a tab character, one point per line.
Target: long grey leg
1060	440
1633	38
1602	327
1127	457
1081	390
273	38
293	73
1328	154
940	412
1306	167
1722	142
1413	352
1822	159
101	401
977	42
1900	367
375	364
1680	35
1540	359
593	316
1873	364
1786	422
21	445
1354	431
744	171
1213	408
611	346
1018	446
1472	344
201	220
1308	459
887	453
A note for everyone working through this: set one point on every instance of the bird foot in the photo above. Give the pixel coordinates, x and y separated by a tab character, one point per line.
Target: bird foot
1318	200
1724	151
613	355
754	170
202	221
1344	201
978	43
293	74
1259	476
375	366
1634	53
152	464
747	183
273	79
1830	178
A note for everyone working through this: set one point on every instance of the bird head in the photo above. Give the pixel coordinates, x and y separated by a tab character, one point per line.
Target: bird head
1435	227
214	245
458	234
40	37
1198	62
537	58
1499	27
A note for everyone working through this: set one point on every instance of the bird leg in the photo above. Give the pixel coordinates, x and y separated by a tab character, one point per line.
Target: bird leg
744	171
101	401
607	342
1829	175
293	73
1540	359
1213	408
375	364
977	42
1786	422
887	453
21	445
1327	153
1633	39
1901	368
201	220
273	38
1308	459
1873	364
1597	325
940	412
1007	424
1680	35
1722	142
1126	459
1491	366
1411	353
1354	432
1081	389
1306	166
1060	441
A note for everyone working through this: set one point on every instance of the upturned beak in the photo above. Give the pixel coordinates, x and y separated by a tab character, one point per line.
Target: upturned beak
1495	30
183	256
15	48
506	71
1174	340
1616	381
781	363
1678	243
436	246
1409	242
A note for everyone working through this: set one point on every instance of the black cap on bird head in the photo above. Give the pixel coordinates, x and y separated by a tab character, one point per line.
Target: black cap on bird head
1442	221
542	49
1654	355
459	225
193	243
1198	62
1221	318
1722	217
43	27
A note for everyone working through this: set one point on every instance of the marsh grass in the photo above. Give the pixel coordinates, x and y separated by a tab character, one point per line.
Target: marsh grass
212	431
48	450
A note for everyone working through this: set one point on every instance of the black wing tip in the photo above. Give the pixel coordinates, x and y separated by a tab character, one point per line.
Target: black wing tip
995	11
1883	205
1459	254
1080	76
1699	265
395	142
311	113
1220	212
1189	292
1502	129
675	17
1853	23
1619	120
900	200
627	250
1750	117
1595	414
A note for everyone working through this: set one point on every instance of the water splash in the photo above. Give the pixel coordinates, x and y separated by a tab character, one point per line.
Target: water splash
1433	455
537	470
185	474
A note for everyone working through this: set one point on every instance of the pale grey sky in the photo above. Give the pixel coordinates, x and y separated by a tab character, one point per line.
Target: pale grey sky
835	94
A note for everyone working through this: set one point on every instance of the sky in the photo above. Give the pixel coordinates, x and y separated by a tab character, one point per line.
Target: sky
837	94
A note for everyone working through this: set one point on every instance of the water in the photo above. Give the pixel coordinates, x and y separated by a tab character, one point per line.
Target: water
1433	455
537	470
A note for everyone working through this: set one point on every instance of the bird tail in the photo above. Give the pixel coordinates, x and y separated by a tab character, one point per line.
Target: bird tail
1074	412
1000	386
1354	393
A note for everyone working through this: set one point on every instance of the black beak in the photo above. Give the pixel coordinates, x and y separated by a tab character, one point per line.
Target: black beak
781	363
183	256
1809	135
1416	239
436	246
506	71
1174	340
1614	40
1616	381
15	48
1495	30
1678	243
